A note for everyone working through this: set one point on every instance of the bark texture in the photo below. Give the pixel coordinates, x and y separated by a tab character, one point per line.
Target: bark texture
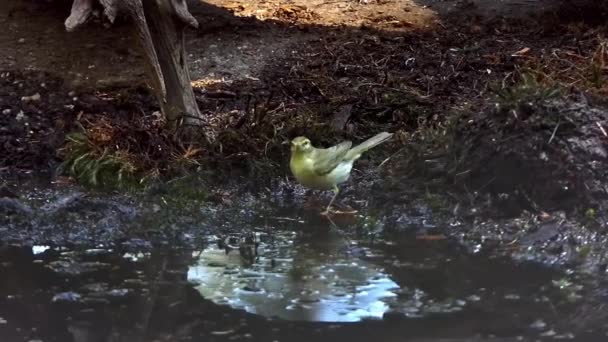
160	26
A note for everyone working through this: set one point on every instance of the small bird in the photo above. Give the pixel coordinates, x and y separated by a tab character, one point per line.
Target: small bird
325	168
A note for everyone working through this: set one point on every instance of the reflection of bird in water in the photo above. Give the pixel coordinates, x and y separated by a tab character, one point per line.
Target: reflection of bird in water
246	245
310	279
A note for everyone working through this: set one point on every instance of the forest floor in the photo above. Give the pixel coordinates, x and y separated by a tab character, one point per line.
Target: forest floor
267	71
498	104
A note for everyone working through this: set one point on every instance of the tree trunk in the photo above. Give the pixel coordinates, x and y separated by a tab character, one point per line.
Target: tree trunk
166	27
160	25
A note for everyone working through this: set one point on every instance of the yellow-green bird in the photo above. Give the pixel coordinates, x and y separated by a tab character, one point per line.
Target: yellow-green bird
325	168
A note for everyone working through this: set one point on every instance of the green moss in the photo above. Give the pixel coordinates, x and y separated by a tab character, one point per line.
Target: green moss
584	251
591	214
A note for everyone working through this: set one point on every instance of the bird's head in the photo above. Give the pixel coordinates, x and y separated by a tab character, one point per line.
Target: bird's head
301	145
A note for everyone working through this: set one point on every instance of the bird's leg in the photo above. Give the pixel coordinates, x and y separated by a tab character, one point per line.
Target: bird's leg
336	192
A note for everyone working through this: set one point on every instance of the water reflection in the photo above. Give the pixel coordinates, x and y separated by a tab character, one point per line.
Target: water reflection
297	280
422	290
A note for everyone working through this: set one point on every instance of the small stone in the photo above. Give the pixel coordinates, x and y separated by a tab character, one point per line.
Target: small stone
72	94
223	332
567	336
460	302
118	292
3	321
33	98
95	287
6	111
538	324
474	298
21	40
66	297
548	333
20	116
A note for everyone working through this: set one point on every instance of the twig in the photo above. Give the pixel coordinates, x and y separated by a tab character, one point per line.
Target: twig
286	219
601	128
554	131
389	157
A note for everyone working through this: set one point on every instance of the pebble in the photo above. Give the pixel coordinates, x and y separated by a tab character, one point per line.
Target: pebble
35	97
538	324
66	297
21	40
567	336
118	292
20	116
2	321
548	333
222	333
6	111
72	94
474	298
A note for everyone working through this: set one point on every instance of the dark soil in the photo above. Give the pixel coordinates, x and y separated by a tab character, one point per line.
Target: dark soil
336	81
444	82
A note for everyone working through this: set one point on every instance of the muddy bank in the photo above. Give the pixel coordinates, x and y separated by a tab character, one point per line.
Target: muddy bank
526	178
516	165
326	75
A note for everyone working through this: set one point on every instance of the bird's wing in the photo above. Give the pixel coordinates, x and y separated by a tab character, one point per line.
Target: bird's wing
326	159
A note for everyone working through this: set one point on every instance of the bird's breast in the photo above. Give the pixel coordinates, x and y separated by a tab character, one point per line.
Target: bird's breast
303	170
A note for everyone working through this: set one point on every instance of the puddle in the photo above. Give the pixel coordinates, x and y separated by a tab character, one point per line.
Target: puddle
323	286
298	280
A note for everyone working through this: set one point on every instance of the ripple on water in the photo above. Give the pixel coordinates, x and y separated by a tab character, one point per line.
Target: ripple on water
295	281
315	281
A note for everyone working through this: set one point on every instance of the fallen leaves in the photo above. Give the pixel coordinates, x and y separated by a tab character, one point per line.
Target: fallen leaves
521	52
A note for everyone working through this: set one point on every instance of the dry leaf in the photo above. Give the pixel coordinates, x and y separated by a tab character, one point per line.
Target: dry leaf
521	52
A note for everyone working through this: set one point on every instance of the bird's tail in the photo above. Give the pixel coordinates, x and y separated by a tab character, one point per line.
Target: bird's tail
377	139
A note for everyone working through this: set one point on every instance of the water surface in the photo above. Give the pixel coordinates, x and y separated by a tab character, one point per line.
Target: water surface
322	286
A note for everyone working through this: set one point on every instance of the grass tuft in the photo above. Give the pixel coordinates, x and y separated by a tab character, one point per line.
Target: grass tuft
96	165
